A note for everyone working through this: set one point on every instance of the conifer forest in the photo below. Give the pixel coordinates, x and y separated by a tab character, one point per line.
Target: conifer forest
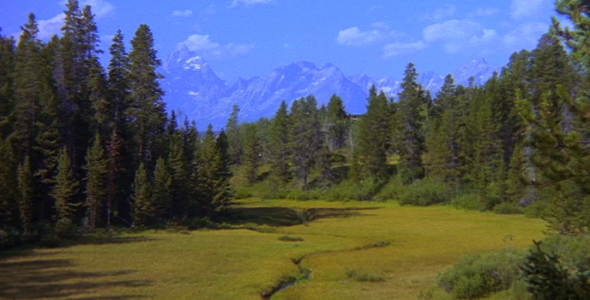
86	147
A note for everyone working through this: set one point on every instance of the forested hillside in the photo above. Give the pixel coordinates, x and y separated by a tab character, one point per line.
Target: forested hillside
86	146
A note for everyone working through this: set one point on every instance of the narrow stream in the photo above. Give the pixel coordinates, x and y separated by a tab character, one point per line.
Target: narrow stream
304	274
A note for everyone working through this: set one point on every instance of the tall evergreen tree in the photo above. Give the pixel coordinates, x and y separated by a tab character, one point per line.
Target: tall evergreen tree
66	187
144	209
306	139
146	112
233	137
279	144
26	197
96	189
162	190
410	128
374	137
9	198
252	152
336	124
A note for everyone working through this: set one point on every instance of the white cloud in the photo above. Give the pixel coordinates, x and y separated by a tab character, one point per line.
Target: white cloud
100	8
394	49
526	35
47	28
355	37
203	44
485	12
236	3
440	14
526	9
458	34
182	13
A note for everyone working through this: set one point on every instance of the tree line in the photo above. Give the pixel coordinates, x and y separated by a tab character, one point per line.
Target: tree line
519	138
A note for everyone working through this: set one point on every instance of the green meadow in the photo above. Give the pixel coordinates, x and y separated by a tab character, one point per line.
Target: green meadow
332	250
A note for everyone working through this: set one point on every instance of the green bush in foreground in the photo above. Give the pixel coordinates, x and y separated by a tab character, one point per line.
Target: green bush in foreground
477	276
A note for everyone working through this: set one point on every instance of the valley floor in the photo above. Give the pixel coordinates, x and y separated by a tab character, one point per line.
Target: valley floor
352	250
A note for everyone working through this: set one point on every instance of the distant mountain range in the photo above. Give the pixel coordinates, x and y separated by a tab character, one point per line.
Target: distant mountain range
193	87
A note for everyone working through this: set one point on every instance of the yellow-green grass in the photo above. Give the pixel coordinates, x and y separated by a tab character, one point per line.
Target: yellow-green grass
338	239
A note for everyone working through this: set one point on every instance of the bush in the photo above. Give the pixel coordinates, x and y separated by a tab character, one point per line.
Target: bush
506	208
347	190
537	209
288	238
467	202
425	192
477	276
364	277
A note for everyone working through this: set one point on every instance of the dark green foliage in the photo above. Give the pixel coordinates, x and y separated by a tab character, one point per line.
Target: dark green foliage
279	151
146	108
144	208
66	186
548	279
336	124
410	125
374	138
9	198
252	152
477	276
508	209
305	138
232	129
96	181
25	199
161	192
424	192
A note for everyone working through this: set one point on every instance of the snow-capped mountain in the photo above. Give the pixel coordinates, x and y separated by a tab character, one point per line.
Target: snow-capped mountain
192	87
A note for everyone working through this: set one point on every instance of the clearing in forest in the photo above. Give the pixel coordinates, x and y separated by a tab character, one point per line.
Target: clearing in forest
352	250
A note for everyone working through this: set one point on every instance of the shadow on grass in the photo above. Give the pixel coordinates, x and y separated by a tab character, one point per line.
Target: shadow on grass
54	279
283	216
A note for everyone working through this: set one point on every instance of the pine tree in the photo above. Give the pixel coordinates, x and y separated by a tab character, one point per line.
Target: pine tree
279	144
222	192
7	67
162	190
235	147
374	138
411	118
113	174
26	197
9	198
180	176
27	88
252	152
146	111
96	181
306	139
336	123
66	186
144	209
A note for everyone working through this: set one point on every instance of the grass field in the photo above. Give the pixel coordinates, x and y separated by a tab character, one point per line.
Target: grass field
353	250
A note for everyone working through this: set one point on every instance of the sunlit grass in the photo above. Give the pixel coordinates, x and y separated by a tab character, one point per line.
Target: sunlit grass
343	244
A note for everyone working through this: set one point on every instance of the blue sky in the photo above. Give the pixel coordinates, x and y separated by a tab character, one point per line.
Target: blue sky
244	38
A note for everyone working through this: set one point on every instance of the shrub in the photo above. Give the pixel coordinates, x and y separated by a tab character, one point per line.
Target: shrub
506	208
467	202
476	276
425	192
537	209
549	279
364	277
347	190
288	238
